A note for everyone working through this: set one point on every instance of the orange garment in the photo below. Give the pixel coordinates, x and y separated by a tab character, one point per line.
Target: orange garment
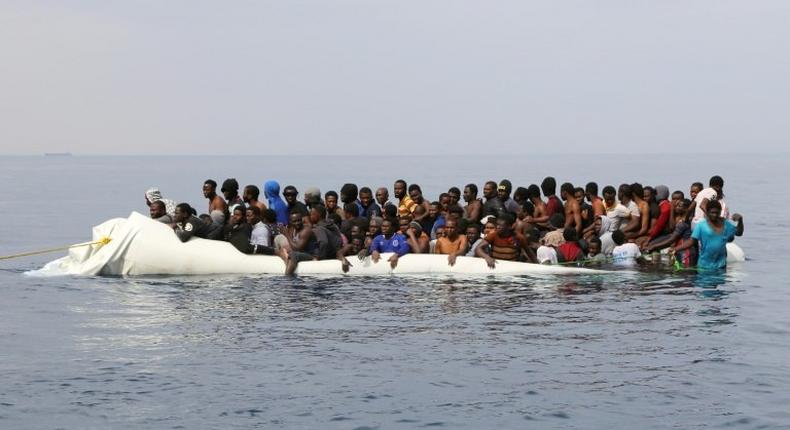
506	248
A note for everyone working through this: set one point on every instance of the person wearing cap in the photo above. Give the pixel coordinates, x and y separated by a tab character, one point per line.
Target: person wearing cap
290	193
503	193
418	241
230	189
217	208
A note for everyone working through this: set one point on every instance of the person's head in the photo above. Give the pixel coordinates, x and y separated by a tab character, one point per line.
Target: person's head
357	243
290	194
390	211
470	192
594	246
660	193
472	233
681	207
609	195
569	234
455	212
439	232
295	220
490	226
618	237
269	216
230	188
206	218
312	196
637	191
365	196
330	198
382	196
415	192
677	196
454	194
157	209
350	210
348	193
549	186
251	192
566	191
533	191
403	224
183	212
695	188
253	215
444	200
360	227
388	226
591	190
520	195
649	194
578	194
504	224
239	215
434	209
490	190
504	189
713	211
624	193
399	189
557	220
152	195
415	228
317	213
451	228
374	228
209	188
526	209
717	183
334	219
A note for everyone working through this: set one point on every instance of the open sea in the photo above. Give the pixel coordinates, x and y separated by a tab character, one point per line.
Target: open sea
649	350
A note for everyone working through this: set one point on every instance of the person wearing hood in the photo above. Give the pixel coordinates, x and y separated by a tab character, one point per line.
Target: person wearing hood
154	195
271	190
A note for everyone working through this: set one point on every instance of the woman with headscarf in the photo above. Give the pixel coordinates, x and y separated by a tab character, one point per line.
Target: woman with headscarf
153	194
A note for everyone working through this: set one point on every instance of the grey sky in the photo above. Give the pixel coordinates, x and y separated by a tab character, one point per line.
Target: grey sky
237	77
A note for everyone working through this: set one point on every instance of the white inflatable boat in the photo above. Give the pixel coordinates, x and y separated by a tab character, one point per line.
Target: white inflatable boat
142	246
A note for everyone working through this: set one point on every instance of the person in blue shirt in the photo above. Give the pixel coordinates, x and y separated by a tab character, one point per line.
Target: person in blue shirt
711	236
390	240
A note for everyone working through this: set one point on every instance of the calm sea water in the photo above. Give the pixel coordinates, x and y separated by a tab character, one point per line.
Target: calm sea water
647	350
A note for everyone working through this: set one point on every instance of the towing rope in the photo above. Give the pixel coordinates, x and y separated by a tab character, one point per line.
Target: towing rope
101	242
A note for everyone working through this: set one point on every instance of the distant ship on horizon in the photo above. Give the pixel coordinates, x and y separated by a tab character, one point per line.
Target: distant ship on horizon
57	154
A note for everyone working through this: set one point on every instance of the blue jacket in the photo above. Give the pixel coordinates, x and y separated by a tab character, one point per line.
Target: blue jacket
396	243
271	189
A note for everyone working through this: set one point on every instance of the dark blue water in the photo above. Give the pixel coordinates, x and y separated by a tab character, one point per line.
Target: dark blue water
648	350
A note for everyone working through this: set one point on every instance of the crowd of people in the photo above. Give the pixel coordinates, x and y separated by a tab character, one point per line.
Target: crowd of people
621	226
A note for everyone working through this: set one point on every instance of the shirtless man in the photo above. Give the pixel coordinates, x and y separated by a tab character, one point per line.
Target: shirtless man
418	241
573	213
539	216
250	197
473	210
591	191
452	244
415	192
215	202
643	227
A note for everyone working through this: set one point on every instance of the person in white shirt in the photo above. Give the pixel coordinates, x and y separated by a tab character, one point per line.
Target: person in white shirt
615	211
625	254
715	191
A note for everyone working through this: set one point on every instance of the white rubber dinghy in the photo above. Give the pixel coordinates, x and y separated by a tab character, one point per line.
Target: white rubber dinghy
142	246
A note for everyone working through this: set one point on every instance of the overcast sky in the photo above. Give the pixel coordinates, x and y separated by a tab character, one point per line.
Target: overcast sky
321	77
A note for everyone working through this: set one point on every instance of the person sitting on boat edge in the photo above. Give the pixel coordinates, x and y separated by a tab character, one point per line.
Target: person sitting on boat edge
594	254
506	244
153	195
353	247
569	250
388	241
687	256
237	232
159	213
320	240
452	244
419	242
187	224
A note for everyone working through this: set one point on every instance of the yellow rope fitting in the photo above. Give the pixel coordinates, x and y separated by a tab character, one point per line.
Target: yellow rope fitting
101	242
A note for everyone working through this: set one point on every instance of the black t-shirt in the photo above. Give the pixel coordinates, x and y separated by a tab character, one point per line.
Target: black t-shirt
493	207
193	226
238	236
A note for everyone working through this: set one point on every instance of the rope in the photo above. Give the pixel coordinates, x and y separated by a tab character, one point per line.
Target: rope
101	242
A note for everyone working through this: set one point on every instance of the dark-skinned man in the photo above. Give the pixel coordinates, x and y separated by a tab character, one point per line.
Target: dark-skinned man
390	240
217	208
290	195
506	244
368	204
250	197
473	211
158	212
188	225
406	206
230	189
573	213
451	244
492	206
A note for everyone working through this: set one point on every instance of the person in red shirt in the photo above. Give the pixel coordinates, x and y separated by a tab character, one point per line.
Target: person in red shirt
553	203
570	249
